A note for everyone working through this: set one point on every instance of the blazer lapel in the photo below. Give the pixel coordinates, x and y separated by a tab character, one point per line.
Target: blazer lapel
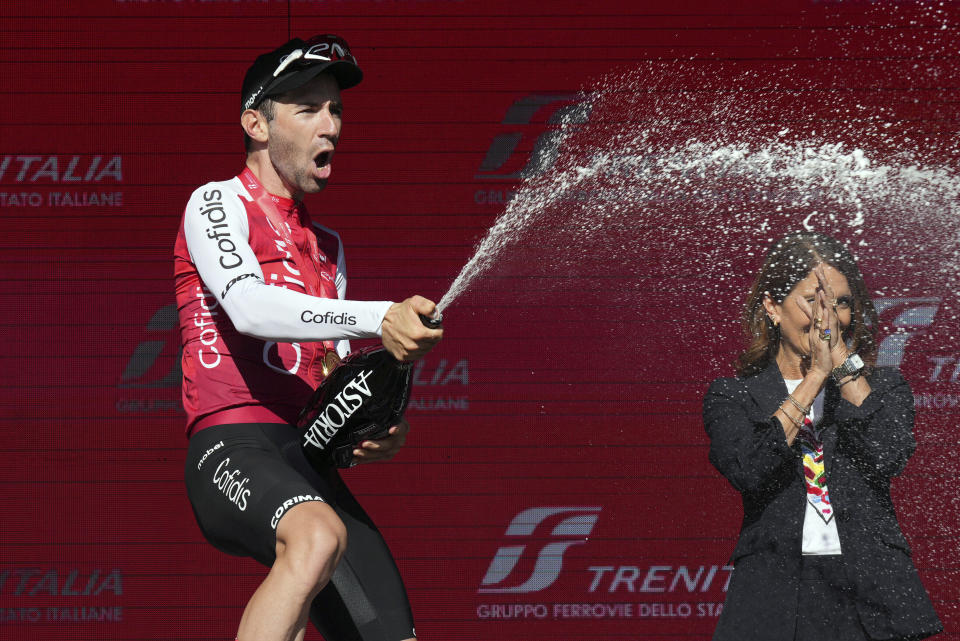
769	391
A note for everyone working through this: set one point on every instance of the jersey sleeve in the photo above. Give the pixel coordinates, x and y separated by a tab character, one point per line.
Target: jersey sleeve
217	235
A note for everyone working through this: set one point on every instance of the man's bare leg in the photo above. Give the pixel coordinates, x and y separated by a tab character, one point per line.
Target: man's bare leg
310	541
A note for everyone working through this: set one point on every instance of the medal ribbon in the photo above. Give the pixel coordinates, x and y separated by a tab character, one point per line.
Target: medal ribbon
312	282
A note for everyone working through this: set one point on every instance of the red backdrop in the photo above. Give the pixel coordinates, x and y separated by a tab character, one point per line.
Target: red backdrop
552	426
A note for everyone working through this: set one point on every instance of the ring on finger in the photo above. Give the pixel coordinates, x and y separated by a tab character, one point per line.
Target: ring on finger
824	334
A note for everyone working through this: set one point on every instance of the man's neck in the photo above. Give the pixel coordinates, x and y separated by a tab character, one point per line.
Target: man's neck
259	163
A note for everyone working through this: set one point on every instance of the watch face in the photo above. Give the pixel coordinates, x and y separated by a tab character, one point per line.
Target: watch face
855	360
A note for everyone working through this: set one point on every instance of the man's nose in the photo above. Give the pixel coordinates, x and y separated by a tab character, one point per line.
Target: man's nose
327	123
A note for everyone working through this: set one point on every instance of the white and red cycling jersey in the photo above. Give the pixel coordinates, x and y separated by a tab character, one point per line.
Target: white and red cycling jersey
260	294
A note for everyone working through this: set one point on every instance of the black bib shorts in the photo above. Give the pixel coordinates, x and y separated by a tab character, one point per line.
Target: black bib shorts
242	479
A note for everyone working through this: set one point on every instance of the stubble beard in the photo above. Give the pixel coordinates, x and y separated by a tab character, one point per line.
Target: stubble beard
283	155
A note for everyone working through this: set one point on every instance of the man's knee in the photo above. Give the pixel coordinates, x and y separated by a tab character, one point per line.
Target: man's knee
311	539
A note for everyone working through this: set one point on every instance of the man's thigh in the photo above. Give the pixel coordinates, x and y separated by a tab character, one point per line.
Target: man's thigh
240	485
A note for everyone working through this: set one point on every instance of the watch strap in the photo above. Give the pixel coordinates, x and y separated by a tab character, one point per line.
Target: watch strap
851	366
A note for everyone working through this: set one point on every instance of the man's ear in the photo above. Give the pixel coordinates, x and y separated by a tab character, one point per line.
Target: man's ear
255	125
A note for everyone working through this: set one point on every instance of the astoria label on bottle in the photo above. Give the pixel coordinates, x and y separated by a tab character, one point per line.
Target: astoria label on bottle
362	398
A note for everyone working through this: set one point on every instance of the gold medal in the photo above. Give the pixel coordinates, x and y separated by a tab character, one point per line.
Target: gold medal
330	360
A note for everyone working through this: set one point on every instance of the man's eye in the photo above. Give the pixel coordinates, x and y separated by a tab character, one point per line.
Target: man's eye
845	302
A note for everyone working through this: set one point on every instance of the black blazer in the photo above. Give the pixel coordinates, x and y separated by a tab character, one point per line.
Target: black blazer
863	448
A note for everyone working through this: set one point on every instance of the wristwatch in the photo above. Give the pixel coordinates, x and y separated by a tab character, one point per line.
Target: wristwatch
849	367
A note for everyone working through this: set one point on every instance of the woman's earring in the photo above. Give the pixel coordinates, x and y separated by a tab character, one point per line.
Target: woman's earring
773	328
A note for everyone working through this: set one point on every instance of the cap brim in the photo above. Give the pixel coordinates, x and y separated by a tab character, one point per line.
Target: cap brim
346	74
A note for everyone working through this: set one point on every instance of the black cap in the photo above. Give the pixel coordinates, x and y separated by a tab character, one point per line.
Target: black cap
275	73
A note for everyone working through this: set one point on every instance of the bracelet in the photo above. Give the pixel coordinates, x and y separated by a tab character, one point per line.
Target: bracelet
796	422
796	403
852	378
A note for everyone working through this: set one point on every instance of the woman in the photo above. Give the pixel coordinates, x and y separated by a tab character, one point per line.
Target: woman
810	434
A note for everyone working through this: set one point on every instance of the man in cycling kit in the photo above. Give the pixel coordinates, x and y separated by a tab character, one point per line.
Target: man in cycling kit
263	315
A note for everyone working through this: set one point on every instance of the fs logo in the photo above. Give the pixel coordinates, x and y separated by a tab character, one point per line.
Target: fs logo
908	317
141	370
574	529
503	160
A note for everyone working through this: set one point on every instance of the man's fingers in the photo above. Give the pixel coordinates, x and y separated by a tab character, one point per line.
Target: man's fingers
402	428
396	437
377	446
393	442
382	449
404	335
422	305
369	456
